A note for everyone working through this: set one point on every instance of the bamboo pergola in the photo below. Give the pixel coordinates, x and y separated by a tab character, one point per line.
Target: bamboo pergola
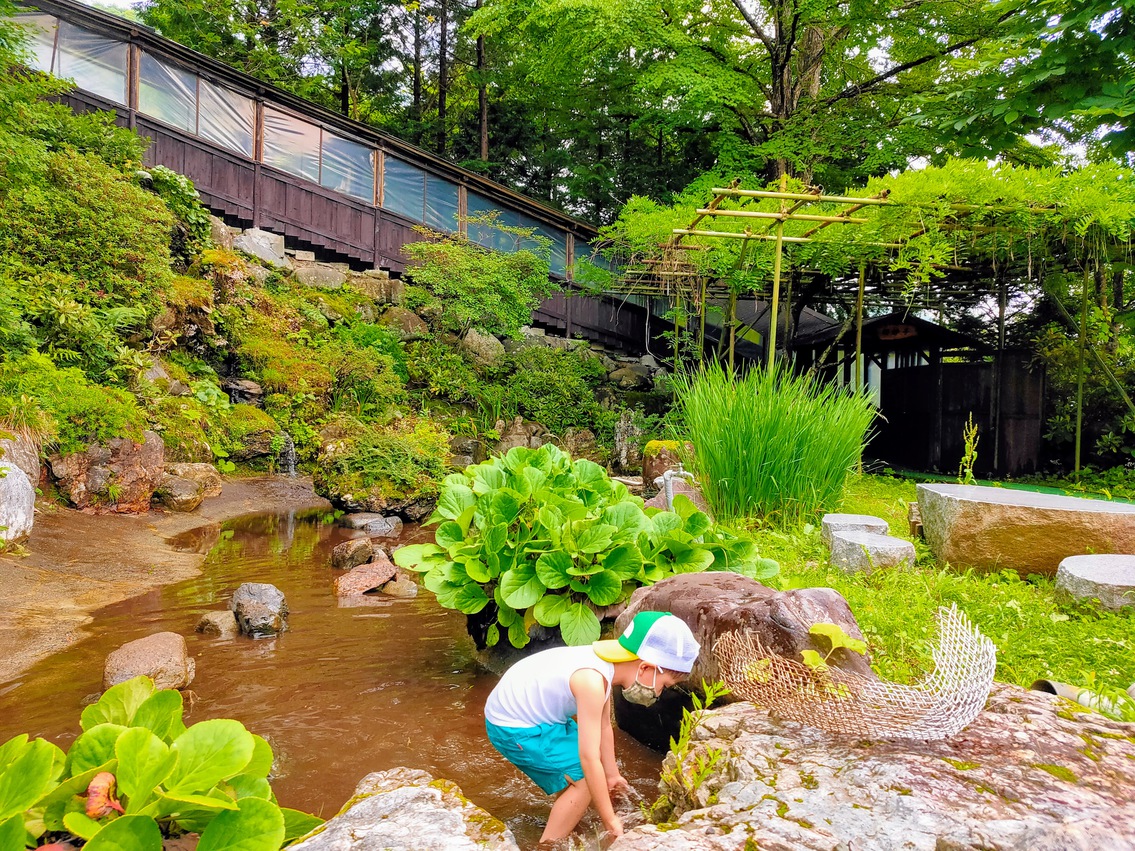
671	274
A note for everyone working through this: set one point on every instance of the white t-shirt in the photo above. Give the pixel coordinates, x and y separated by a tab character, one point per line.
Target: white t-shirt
537	689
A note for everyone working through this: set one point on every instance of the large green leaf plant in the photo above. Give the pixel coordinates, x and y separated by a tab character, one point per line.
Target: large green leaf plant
544	539
137	774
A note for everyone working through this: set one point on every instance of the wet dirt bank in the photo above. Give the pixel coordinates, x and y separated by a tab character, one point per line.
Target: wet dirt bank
80	562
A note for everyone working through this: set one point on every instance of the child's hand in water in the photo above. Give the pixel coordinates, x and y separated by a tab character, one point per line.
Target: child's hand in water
617	783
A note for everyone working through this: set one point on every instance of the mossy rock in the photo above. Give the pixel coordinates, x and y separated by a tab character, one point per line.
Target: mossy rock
249	433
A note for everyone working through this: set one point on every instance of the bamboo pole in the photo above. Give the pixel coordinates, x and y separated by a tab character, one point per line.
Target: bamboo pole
796	217
732	326
859	328
727	234
1080	373
701	331
776	263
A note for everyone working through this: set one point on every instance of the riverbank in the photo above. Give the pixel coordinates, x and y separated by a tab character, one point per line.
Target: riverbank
80	562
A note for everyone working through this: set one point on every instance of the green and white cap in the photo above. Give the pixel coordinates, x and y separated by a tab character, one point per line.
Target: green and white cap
658	638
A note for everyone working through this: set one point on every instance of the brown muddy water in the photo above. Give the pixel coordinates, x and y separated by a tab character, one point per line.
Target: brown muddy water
344	692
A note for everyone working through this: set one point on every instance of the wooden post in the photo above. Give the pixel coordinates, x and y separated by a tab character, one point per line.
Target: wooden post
859	328
999	370
777	258
677	318
258	157
732	326
1080	372
701	330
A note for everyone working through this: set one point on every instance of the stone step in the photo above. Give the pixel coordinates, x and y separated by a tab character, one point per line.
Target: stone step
863	552
851	523
1110	579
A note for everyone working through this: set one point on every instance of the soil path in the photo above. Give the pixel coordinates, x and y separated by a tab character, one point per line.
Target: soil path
80	562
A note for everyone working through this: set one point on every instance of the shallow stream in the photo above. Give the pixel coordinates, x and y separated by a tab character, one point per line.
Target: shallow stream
344	692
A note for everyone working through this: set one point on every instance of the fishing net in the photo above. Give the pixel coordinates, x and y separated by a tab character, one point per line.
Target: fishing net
842	702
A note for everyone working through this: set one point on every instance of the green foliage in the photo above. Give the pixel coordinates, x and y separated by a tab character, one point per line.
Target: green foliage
191	233
84	413
554	387
688	767
837	638
769	444
364	335
969	454
441	370
137	773
494	290
546	540
404	459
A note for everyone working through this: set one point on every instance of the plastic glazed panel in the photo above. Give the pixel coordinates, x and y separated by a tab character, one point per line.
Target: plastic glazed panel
96	64
347	167
168	93
226	118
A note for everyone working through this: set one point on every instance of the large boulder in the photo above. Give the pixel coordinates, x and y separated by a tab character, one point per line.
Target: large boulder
1032	772
205	475
377	285
484	348
20	450
17	503
632	377
121	475
715	603
405	324
658	456
178	494
162	657
323	276
264	246
406	809
997	528
679	486
1108	579
260	609
864	552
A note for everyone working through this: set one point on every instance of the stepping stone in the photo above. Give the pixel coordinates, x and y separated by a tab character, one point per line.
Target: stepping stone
851	523
862	552
1107	578
991	528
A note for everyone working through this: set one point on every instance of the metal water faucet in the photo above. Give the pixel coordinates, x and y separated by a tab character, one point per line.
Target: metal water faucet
668	483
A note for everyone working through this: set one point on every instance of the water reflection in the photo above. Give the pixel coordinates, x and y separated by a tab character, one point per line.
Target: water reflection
346	691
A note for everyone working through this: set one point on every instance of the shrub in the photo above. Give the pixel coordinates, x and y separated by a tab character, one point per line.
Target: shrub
403	460
85	413
191	231
243	422
770	444
440	370
137	774
542	539
554	388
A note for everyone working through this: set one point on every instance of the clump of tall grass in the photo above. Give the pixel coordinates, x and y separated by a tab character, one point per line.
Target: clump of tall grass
769	444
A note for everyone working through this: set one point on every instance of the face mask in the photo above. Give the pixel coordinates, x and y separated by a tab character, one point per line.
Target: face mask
643	695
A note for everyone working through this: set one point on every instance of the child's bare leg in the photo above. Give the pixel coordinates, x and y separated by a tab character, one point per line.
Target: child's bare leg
567	811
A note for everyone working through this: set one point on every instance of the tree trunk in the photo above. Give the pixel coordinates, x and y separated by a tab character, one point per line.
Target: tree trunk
344	79
442	75
482	95
417	101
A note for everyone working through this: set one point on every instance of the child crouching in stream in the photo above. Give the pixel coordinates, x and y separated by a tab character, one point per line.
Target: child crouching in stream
550	715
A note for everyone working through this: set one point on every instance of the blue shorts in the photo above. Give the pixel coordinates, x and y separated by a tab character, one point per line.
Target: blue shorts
545	753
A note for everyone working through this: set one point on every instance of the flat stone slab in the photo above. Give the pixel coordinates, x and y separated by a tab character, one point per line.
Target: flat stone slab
1107	578
863	552
375	525
851	523
997	528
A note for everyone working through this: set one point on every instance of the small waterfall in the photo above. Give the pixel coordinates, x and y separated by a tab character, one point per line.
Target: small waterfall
287	459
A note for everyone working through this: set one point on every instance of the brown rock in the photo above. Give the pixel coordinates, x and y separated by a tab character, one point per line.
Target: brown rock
162	657
402	585
633	377
260	609
406	324
658	456
383	290
178	494
521	432
1032	772
351	554
365	578
121	475
683	488
205	475
997	528
582	444
220	624
21	451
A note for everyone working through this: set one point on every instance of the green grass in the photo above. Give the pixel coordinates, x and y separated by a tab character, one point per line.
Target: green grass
1036	635
769	444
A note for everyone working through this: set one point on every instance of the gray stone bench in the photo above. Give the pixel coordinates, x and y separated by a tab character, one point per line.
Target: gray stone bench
996	528
862	552
1107	578
851	523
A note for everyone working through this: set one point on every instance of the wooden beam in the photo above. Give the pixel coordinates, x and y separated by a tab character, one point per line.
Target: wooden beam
796	217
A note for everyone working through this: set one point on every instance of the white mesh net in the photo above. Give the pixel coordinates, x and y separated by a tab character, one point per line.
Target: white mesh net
842	702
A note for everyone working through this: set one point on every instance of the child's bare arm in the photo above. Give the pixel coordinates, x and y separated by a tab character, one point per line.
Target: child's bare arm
589	689
607	752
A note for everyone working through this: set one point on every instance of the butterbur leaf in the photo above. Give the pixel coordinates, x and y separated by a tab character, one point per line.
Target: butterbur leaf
449	534
102	794
684	558
553	569
455	499
129	833
12	832
766	568
479	571
160	713
838	638
471	599
82	825
486	478
684	506
118	704
261	763
297	824
589	475
94	748
27	777
209	752
602	589
814	660
246	786
665	522
626	517
584	567
492	636
595	538
550	609
697	524
257	825
144	761
418	557
624	562
521	587
215	801
580	625
517	634
12	748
